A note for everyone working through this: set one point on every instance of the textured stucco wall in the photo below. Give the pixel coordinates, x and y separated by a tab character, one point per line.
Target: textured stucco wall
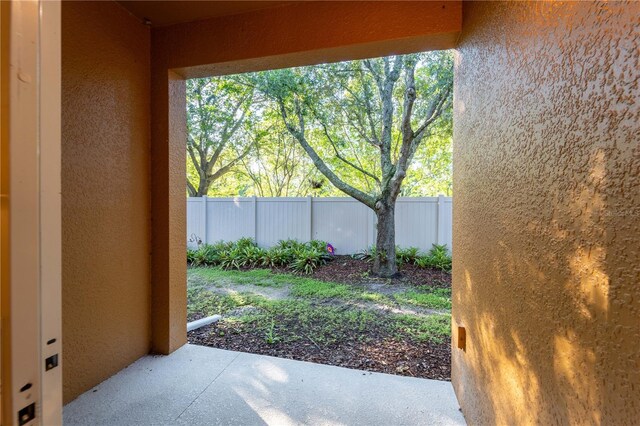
307	32
547	213
105	192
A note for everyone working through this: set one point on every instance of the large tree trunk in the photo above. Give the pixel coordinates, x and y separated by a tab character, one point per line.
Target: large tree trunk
384	264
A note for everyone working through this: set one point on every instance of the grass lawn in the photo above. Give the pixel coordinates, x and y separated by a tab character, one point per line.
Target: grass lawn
376	326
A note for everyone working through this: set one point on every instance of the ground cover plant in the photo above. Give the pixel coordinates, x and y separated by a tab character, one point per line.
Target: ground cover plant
335	314
301	257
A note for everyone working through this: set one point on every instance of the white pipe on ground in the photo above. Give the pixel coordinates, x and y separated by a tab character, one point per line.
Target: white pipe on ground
202	322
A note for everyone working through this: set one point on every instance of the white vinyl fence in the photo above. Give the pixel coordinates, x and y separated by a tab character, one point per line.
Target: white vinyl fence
344	222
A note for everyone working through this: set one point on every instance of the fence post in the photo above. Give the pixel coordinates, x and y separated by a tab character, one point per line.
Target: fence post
439	221
255	219
310	216
205	219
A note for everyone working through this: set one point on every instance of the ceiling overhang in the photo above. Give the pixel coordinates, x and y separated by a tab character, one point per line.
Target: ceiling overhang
162	13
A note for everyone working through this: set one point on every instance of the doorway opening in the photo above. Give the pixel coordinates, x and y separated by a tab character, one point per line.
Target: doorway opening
319	213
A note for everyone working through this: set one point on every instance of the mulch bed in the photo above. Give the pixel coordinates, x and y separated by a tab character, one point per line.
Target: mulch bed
345	269
382	354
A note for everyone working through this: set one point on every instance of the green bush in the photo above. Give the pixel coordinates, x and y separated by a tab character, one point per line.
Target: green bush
368	254
245	253
438	257
290	244
205	255
407	255
276	257
245	242
230	259
307	260
250	256
223	245
317	245
191	255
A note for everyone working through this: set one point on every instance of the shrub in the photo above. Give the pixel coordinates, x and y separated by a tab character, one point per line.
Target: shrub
250	256
407	255
245	253
307	260
276	257
438	257
245	242
191	254
222	245
317	245
205	255
199	258
230	259
290	244
368	254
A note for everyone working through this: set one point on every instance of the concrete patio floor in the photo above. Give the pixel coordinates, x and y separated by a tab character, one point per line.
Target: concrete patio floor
198	385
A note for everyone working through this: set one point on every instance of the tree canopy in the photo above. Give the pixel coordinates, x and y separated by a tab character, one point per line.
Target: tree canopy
237	122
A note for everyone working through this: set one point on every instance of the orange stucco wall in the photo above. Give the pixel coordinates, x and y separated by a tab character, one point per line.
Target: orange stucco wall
307	32
105	192
546	266
5	296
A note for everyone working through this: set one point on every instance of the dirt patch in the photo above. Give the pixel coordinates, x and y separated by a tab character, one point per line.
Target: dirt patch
345	269
395	309
369	350
270	293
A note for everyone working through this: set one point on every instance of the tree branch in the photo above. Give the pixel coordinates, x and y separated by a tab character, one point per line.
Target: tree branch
227	134
435	109
409	100
191	189
340	157
227	168
298	134
374	139
376	75
192	155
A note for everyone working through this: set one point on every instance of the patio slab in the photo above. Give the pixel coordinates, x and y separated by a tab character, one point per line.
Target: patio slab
204	386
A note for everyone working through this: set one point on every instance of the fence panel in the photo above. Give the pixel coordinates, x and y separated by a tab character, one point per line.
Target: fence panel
281	219
344	222
416	222
230	219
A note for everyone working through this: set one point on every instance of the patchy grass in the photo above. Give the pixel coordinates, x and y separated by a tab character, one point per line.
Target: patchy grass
321	307
300	285
426	297
309	288
379	298
258	277
295	320
434	328
334	323
291	321
205	303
